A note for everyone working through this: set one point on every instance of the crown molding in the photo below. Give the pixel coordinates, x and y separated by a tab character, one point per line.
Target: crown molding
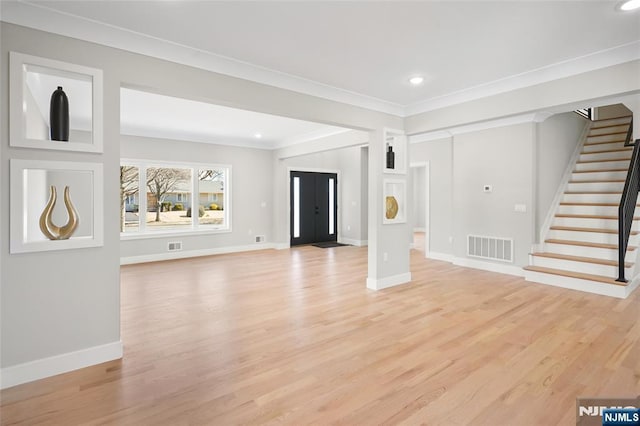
536	117
43	18
602	59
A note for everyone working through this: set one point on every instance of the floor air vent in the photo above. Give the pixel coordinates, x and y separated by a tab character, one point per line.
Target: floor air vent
174	246
490	248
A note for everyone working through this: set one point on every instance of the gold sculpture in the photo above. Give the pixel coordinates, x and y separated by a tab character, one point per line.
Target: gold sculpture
47	227
392	207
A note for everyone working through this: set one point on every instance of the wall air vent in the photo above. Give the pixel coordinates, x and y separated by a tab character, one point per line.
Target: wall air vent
493	248
174	246
259	238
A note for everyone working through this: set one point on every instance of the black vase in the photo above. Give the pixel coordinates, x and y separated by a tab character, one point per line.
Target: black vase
59	116
391	158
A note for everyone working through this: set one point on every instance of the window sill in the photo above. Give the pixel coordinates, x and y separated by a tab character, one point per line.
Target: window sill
172	233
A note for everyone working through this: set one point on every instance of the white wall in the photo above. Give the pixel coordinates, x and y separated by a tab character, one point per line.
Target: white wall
251	194
557	138
418	196
71	300
612	111
459	167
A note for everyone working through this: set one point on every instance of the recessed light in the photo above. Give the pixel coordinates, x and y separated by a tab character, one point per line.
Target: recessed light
630	5
258	135
417	80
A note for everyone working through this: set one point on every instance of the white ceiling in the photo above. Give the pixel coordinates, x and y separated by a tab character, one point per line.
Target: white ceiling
370	49
159	116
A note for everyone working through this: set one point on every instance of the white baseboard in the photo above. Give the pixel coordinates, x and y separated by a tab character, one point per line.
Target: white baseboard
382	283
353	242
477	264
440	256
419	229
281	246
47	367
489	266
194	253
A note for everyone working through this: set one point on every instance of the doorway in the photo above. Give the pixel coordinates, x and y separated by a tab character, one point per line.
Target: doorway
420	233
314	207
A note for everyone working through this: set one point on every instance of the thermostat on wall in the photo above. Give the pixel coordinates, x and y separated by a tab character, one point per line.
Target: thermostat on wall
487	188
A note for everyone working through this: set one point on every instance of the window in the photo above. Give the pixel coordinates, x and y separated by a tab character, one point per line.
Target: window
168	202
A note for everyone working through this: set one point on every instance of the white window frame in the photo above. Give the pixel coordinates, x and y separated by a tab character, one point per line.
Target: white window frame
196	228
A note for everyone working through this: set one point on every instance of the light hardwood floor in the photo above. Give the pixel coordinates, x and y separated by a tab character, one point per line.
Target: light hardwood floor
294	337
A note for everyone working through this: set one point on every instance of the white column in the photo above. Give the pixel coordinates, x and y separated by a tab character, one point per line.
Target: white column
388	244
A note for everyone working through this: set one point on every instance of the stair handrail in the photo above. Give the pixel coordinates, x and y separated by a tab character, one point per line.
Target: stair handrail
628	202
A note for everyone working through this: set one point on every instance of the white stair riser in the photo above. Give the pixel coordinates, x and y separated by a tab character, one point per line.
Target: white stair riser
578	284
606	138
595	186
604	130
599	176
604	165
592	210
584	251
591	198
590	237
591	223
602	146
589	210
617	155
610	122
584	267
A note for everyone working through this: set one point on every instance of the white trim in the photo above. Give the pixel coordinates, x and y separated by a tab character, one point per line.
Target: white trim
445	257
392	281
43	18
562	186
353	242
489	266
129	260
17	63
58	364
536	117
593	61
419	229
281	246
18	216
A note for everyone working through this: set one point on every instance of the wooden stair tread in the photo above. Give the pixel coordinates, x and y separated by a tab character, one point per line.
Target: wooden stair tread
605	142
572	274
581	259
601	171
598	181
605	151
607	134
607	160
608	125
591	216
592	192
612	118
587	244
598	230
566	203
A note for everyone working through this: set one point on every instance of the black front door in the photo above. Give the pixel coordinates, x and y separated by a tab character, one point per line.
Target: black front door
314	207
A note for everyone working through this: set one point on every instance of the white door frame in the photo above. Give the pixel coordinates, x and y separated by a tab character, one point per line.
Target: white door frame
427	234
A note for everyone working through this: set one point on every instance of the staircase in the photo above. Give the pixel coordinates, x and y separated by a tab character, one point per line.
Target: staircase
580	250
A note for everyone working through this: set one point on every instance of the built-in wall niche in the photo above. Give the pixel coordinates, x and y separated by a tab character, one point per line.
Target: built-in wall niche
394	201
395	152
31	183
33	80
